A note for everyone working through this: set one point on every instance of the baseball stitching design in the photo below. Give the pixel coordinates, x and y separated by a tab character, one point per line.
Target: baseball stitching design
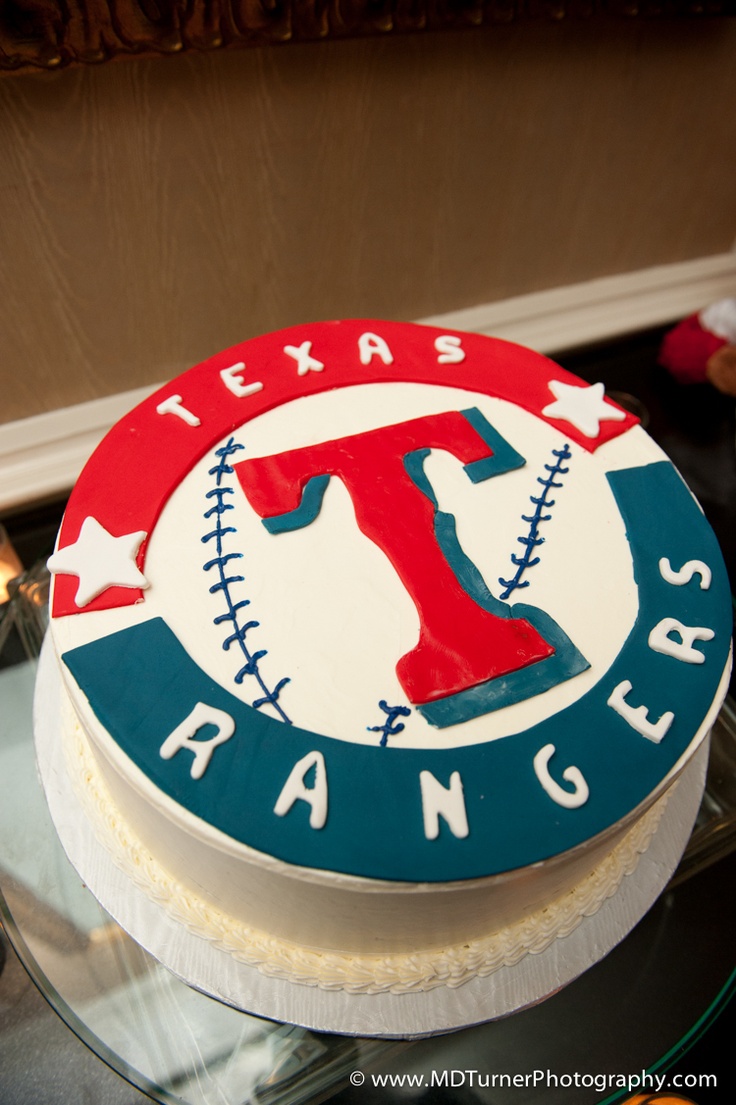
219	562
391	726
532	539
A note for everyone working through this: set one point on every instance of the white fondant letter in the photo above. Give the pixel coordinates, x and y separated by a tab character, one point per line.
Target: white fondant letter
686	573
449	348
448	801
235	383
638	716
570	799
304	361
370	345
173	405
295	788
660	640
183	736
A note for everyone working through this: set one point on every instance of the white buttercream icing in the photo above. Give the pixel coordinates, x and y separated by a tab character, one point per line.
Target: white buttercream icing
355	973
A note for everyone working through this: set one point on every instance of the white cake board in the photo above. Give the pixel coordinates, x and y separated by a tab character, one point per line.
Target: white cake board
217	974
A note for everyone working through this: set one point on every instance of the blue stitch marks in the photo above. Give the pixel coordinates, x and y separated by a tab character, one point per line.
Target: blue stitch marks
391	727
532	539
220	562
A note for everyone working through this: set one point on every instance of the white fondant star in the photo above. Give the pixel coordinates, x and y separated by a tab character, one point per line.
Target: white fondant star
583	407
100	560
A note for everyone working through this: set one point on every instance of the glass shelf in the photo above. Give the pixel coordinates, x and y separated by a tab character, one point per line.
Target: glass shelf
177	1045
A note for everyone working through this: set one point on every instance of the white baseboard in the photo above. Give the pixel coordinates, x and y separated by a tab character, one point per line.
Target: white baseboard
42	456
597	310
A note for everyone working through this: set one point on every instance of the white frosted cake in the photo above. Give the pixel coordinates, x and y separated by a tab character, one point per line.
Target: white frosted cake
382	647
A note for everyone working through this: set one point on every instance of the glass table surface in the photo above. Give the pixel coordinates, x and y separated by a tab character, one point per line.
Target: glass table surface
636	1010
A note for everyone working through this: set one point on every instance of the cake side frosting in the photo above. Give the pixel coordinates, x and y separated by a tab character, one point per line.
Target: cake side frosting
329	911
418	970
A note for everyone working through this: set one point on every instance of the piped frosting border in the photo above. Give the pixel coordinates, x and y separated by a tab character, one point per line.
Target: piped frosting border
400	973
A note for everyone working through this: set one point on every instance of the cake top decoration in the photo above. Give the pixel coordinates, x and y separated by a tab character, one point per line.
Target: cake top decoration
375	582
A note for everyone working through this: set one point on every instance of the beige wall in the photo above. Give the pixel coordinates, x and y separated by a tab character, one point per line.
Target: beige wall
155	211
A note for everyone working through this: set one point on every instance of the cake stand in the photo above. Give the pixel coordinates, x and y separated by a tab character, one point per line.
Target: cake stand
214	972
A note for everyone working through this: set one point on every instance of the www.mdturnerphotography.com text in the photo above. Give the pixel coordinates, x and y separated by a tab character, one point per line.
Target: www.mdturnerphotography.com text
654	1083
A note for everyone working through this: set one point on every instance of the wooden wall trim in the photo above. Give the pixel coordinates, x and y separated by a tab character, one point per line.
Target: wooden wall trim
597	310
41	456
52	34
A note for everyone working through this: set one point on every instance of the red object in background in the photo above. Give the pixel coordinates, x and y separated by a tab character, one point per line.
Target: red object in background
703	347
686	350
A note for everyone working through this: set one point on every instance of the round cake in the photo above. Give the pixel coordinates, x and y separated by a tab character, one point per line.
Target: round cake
382	647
